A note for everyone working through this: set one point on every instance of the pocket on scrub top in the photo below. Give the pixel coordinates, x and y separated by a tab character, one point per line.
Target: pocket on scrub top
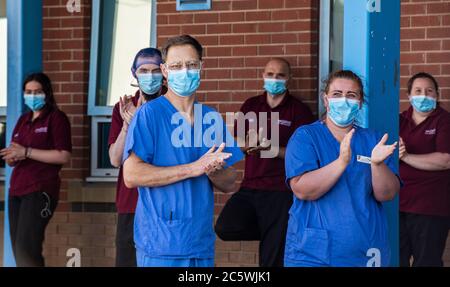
173	236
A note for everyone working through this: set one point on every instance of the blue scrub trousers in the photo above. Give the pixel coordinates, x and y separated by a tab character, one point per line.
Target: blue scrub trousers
143	260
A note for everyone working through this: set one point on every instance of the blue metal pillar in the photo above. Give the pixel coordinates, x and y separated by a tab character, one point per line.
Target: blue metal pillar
372	50
24	56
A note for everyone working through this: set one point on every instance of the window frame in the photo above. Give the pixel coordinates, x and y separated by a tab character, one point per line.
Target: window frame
93	109
99	173
193	6
103	113
324	48
325	67
3	170
3	108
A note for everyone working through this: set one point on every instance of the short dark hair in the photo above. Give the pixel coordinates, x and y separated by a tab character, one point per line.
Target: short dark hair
181	41
46	84
422	75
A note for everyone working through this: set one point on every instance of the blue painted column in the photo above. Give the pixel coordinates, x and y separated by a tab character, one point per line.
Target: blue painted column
24	56
372	50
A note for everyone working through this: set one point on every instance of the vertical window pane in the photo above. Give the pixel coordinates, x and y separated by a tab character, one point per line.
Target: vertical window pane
336	35
102	137
3	53
2	139
124	29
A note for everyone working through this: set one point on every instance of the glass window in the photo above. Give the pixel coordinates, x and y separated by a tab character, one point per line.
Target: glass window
336	35
3	53
331	47
100	163
102	138
120	29
187	5
123	29
3	79
2	142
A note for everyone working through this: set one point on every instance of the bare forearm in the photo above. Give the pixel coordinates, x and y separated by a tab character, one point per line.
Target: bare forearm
384	182
49	156
116	149
314	184
224	179
138	173
430	162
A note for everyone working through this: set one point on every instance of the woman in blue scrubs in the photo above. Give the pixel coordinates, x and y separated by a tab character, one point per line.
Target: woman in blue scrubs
340	174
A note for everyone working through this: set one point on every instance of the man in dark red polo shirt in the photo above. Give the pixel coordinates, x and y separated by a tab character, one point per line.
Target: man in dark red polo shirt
148	74
425	172
259	210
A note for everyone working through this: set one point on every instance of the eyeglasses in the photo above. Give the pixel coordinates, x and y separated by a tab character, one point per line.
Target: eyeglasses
190	65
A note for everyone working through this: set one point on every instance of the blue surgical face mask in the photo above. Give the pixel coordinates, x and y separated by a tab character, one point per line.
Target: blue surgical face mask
185	82
343	111
423	103
150	83
34	102
274	86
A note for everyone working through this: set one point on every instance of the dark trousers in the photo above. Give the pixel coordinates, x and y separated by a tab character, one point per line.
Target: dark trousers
28	218
423	238
257	215
125	250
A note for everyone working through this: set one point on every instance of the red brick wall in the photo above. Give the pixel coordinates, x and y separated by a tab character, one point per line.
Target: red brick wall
66	45
239	37
425	46
92	233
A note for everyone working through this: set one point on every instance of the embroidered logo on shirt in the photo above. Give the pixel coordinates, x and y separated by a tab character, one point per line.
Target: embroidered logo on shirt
16	135
284	123
430	132
363	159
41	130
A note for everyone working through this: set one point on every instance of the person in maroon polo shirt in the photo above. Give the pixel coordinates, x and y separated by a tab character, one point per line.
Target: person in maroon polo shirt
425	172
259	210
148	74
40	146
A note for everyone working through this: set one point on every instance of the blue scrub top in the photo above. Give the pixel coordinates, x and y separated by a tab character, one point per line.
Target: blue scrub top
339	228
176	220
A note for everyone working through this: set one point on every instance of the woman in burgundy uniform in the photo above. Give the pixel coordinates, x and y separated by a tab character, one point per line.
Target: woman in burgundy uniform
425	171
40	146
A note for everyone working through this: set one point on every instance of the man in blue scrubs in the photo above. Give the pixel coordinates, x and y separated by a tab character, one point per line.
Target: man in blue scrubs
175	154
340	174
